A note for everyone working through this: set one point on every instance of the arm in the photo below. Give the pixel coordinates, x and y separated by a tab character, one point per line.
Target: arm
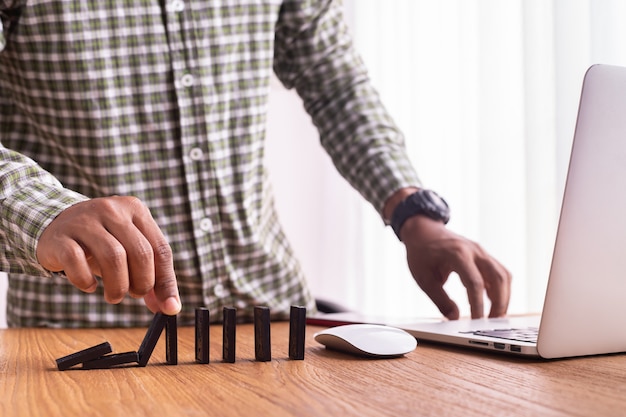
314	54
46	227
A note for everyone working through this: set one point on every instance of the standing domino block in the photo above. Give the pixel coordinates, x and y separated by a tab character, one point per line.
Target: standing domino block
202	335
109	361
297	332
82	356
151	338
262	341
228	334
171	340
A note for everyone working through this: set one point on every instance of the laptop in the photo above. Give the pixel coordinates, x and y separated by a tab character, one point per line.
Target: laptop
584	310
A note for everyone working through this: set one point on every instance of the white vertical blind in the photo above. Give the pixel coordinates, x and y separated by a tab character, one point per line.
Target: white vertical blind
451	74
486	92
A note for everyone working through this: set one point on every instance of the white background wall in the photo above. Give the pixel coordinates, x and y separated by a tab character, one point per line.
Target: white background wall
319	210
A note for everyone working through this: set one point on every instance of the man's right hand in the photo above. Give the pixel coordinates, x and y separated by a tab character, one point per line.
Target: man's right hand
117	239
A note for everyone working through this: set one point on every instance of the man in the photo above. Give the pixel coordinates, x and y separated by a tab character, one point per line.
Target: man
131	161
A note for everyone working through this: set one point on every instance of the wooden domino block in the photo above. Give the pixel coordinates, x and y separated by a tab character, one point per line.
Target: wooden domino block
110	361
228	334
151	338
297	332
202	335
262	340
171	340
84	355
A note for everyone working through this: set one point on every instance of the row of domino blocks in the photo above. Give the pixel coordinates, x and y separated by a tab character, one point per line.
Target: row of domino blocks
101	356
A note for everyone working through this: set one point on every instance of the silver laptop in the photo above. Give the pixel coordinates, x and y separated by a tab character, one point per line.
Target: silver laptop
584	310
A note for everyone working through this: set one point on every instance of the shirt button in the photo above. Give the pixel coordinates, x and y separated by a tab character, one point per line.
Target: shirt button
196	154
176	6
187	80
206	225
3	41
220	291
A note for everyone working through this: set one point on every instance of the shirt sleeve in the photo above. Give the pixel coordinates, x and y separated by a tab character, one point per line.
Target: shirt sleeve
30	198
314	54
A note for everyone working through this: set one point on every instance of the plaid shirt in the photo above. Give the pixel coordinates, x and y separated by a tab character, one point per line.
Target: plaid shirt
166	101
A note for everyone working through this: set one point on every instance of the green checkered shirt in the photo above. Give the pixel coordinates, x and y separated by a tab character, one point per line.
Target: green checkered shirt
167	101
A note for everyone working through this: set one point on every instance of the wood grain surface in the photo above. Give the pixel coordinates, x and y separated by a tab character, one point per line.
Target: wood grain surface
433	380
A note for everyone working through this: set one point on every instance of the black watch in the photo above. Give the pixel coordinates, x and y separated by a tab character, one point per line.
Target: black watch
425	202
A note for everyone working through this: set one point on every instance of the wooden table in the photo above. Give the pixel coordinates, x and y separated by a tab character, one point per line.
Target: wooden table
431	381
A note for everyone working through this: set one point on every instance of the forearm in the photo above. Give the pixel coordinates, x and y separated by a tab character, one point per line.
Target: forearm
30	198
355	129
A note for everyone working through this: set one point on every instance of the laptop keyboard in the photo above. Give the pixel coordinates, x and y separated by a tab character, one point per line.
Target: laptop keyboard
528	334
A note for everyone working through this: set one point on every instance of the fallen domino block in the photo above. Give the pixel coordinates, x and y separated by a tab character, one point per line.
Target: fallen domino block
109	361
82	356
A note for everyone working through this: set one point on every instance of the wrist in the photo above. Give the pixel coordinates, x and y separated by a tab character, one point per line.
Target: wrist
420	226
423	203
395	199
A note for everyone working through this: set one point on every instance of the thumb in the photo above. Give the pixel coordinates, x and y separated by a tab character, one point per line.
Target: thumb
168	303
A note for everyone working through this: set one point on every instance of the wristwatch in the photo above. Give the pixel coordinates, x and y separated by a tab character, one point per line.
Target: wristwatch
425	202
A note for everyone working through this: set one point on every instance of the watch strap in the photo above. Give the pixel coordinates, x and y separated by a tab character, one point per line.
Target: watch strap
424	202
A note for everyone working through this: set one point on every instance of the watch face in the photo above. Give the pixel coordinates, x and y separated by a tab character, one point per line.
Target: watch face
432	205
438	201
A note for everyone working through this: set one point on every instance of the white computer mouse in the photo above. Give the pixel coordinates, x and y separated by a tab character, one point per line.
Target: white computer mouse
369	340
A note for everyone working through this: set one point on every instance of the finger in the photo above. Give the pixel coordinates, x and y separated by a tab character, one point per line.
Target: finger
110	257
171	306
473	281
434	289
73	262
121	252
498	286
165	297
139	258
165	285
151	302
